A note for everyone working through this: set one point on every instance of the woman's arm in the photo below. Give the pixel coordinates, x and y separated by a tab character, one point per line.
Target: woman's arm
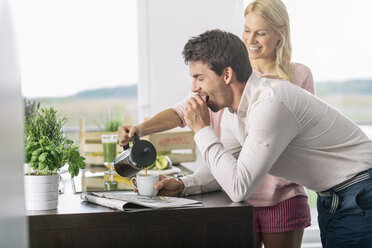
162	121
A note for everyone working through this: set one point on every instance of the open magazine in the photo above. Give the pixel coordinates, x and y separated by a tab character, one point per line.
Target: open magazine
133	202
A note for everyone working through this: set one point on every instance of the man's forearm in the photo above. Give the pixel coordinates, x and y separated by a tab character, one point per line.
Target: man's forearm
162	121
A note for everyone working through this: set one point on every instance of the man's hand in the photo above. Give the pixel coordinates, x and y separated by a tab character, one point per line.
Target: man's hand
169	186
196	114
125	134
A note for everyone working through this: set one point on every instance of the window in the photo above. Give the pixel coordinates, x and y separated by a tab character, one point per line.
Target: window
71	46
334	38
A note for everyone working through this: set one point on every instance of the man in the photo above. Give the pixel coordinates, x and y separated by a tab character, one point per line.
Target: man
273	126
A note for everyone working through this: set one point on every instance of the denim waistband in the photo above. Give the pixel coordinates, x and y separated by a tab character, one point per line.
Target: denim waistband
333	191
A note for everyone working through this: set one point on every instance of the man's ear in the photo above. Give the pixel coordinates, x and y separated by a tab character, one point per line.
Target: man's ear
228	74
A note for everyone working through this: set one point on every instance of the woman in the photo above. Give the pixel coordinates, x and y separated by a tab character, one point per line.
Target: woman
280	207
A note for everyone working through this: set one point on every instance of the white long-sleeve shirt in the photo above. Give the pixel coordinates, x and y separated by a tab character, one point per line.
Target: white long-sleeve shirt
283	130
271	190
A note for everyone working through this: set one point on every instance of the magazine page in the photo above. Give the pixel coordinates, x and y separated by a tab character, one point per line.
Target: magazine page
110	203
153	201
133	202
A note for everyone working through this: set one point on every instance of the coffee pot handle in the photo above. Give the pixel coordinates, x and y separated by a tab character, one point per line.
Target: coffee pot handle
135	139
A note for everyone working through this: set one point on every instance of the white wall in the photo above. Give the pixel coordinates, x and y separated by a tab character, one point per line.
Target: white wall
164	26
13	230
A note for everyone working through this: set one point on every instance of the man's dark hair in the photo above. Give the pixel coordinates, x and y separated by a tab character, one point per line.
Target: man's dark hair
219	49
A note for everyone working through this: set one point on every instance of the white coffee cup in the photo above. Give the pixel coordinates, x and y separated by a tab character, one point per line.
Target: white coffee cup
145	184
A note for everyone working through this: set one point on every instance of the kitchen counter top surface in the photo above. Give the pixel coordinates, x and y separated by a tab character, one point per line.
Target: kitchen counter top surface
76	223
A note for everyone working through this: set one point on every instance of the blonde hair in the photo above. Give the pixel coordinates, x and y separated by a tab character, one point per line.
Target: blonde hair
275	12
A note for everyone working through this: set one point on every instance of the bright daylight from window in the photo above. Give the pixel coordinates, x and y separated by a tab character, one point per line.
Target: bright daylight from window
334	39
79	56
69	48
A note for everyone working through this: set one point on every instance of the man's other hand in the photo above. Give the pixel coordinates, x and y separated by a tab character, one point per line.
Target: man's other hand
169	186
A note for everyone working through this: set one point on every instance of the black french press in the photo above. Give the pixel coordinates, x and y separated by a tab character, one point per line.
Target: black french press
134	159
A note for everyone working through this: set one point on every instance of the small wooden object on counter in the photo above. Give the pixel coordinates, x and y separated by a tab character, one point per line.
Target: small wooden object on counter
181	145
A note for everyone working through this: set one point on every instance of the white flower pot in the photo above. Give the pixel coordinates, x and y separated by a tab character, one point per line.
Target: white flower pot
41	192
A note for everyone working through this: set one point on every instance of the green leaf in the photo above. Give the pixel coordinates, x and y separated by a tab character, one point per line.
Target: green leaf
76	171
54	154
71	171
81	164
33	165
28	147
51	166
56	157
37	152
34	158
43	157
48	148
42	165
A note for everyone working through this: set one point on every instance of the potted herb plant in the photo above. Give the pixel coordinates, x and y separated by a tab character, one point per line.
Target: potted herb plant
47	150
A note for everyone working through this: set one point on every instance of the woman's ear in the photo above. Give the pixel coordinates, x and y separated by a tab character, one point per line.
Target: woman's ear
228	74
277	43
283	30
282	34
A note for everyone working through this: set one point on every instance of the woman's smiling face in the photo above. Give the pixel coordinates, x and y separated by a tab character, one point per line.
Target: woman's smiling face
259	37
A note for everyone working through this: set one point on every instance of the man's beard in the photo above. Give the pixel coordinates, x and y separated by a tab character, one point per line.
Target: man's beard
216	94
214	107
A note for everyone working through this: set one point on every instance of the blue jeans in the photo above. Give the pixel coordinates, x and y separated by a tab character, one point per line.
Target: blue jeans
351	224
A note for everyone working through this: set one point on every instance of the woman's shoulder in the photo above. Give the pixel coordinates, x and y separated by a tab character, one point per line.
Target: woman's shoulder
302	76
300	68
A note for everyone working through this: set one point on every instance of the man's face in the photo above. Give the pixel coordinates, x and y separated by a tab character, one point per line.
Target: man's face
211	87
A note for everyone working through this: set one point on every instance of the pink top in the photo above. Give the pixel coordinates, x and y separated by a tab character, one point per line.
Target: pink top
272	190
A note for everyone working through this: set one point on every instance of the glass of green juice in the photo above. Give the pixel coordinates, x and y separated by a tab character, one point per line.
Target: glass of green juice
109	142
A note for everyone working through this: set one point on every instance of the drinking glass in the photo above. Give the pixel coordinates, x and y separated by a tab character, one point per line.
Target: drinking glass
109	142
